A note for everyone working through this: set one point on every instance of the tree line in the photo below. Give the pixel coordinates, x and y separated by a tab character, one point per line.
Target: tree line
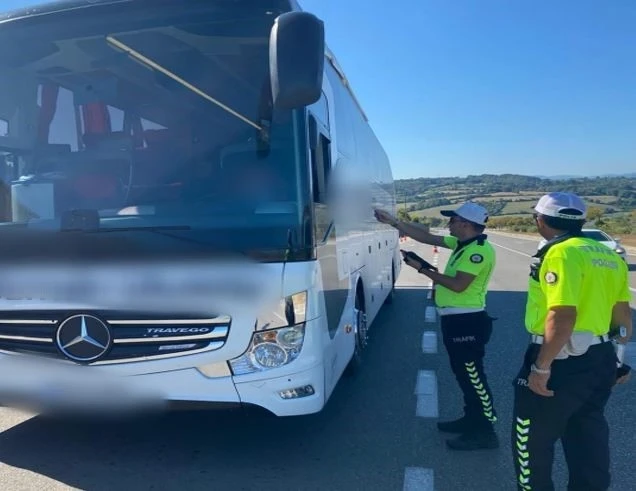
431	192
424	193
619	225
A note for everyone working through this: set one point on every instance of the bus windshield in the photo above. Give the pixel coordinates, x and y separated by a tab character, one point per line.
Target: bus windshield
149	119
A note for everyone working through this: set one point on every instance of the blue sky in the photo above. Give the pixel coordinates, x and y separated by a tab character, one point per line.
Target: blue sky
490	86
474	86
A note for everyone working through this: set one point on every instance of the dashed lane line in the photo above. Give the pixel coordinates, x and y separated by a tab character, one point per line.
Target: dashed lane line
511	250
430	316
426	392
419	479
430	282
429	342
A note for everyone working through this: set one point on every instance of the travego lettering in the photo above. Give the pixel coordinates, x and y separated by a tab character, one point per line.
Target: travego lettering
178	330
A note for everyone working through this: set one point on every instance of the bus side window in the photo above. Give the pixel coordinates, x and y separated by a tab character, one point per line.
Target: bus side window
320	162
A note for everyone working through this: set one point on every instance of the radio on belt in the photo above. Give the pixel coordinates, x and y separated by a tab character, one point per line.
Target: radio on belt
620	348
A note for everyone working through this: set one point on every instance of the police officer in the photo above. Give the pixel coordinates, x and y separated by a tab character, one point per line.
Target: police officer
460	297
578	290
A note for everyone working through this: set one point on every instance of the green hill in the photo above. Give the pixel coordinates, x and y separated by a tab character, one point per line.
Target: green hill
509	198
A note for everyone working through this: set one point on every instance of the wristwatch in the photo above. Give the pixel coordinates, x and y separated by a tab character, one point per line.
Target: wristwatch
538	370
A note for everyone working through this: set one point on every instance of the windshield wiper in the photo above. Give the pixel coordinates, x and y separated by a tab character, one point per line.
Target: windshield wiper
155	229
116	43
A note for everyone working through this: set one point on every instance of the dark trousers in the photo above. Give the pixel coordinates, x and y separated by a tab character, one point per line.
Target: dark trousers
574	414
465	338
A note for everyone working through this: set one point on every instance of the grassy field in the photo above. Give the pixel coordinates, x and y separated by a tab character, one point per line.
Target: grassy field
430	212
517	204
518	207
509	199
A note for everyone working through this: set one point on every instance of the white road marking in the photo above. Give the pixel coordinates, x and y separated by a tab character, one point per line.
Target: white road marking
430	282
511	250
418	479
426	391
429	342
533	238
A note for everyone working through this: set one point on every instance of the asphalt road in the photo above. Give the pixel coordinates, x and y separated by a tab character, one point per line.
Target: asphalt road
373	435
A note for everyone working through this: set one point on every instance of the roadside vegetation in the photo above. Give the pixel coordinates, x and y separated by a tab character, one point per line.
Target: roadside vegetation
509	199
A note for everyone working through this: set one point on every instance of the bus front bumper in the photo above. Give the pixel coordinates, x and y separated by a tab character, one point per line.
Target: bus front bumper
48	390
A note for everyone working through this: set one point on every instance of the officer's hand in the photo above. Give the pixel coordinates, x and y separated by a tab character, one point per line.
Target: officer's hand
623	379
538	384
628	336
384	217
623	374
414	263
424	264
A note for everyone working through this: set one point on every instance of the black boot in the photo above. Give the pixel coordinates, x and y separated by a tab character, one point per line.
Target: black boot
475	440
461	425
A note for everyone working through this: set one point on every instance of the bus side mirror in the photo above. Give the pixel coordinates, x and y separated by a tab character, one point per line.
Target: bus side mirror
296	59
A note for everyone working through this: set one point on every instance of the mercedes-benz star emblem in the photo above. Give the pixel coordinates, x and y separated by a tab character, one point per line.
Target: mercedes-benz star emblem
83	338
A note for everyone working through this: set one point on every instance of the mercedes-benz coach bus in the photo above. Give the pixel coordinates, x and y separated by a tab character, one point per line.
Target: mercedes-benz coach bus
187	207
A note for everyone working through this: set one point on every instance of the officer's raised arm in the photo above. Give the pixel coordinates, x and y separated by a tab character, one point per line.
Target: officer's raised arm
416	231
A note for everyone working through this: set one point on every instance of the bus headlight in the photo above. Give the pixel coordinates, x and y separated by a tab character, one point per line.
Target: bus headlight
278	337
269	349
289	311
269	355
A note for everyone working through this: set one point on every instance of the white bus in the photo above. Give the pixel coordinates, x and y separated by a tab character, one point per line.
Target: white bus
187	140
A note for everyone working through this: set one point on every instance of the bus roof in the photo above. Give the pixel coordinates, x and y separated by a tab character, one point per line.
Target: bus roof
52	6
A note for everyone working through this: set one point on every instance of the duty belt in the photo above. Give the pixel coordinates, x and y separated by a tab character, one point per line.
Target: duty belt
458	310
604	338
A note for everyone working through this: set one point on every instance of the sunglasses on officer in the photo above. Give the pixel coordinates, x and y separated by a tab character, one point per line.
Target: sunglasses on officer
456	219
